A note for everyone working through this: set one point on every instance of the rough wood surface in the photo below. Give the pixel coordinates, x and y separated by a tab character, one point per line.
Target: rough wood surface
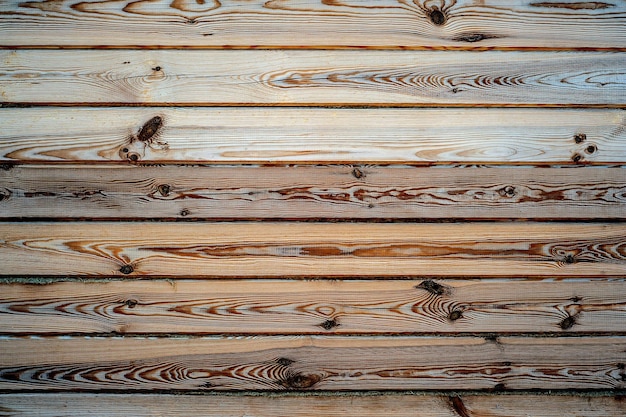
203	249
149	405
308	135
295	307
311	192
312	362
313	77
378	23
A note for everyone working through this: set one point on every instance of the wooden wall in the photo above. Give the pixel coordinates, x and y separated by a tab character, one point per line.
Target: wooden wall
313	208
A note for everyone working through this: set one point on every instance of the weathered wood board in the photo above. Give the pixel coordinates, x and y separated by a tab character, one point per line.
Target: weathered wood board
309	307
327	77
275	249
453	405
310	135
311	192
297	24
311	363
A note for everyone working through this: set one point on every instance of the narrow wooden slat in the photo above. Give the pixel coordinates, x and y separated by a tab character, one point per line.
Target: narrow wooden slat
313	77
463	23
301	307
317	363
310	192
312	249
149	405
306	135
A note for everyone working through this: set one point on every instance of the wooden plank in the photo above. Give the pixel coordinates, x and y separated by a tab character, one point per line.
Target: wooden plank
148	405
311	192
203	249
313	77
308	135
461	23
312	362
309	307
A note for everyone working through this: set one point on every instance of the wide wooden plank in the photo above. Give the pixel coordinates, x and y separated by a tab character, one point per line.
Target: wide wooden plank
312	362
308	135
311	192
279	307
313	77
462	23
204	249
149	405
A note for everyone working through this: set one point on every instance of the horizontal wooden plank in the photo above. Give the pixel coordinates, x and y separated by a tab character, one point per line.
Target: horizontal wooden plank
309	307
313	77
312	362
203	249
215	23
148	405
306	135
311	192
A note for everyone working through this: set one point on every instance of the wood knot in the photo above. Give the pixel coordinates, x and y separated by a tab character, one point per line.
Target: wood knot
577	157
300	381
437	17
185	212
284	361
508	191
133	156
164	189
357	173
3	196
6	166
455	315
580	138
433	287
569	259
127	269
130	303
157	68
568	322
591	149
329	324
150	128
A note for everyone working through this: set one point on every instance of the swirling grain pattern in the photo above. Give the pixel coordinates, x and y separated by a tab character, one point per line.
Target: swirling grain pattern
309	135
278	363
297	307
407	405
208	249
313	77
241	23
311	192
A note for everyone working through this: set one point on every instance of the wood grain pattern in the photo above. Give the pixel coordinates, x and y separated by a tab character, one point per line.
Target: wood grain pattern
312	362
313	77
311	192
278	249
301	307
309	135
213	23
149	405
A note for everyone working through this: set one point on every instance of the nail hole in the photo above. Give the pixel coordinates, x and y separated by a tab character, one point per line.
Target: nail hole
437	17
126	269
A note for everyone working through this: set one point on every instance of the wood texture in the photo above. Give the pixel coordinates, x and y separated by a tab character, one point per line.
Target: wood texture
312	362
312	249
149	405
311	192
463	23
309	307
313	77
309	135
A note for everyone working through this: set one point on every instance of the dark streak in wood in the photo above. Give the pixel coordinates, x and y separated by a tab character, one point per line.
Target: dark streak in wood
459	407
473	37
588	5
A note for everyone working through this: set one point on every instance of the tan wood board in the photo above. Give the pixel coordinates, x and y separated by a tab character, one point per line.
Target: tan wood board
344	23
207	249
287	77
308	135
311	192
309	307
149	405
312	362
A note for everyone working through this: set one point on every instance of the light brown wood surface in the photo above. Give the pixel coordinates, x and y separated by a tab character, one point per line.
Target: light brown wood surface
453	405
206	249
326	77
347	23
309	135
311	192
297	307
311	362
